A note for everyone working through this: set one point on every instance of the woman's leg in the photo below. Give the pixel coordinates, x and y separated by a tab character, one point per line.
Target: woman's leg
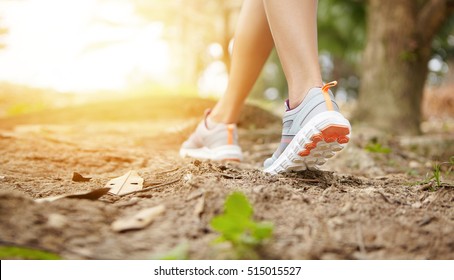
253	44
216	136
313	128
293	24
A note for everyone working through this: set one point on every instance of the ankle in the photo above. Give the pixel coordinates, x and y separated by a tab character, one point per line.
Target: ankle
297	96
219	114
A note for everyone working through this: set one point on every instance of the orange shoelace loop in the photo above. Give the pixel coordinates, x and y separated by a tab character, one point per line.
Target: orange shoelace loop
328	86
325	88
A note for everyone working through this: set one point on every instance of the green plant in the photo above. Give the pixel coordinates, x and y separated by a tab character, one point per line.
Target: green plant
180	252
436	174
13	252
25	108
451	163
237	227
435	177
374	147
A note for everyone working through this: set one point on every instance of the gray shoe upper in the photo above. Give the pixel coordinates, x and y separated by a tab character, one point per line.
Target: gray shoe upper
215	136
295	119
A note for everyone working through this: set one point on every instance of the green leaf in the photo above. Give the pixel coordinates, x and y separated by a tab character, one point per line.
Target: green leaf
377	148
180	252
263	230
12	252
238	205
227	226
237	226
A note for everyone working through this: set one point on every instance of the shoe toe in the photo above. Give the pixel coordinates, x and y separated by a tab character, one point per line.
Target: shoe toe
268	162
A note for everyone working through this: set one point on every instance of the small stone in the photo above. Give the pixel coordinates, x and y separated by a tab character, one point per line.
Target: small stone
416	205
258	189
187	178
414	164
347	208
295	197
56	220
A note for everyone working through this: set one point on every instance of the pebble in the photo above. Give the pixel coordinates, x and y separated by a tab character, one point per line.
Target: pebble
416	205
414	164
56	220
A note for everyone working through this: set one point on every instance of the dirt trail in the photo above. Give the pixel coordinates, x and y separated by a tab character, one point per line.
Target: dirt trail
368	209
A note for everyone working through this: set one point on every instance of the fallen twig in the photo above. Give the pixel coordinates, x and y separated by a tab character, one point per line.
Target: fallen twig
391	201
385	197
426	221
167	171
157	186
229	176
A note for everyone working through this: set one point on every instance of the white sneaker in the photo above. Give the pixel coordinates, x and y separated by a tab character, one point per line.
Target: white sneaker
211	140
312	133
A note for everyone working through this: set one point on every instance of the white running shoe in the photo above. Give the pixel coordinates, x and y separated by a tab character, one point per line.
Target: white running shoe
312	133
211	140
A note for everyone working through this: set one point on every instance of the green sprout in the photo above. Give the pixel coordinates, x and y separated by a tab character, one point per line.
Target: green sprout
237	227
375	147
436	172
14	252
180	252
451	165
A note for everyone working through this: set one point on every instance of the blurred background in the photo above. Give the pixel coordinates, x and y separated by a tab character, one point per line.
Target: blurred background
394	60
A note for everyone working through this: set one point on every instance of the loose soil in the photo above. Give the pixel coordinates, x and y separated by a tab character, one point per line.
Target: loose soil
363	206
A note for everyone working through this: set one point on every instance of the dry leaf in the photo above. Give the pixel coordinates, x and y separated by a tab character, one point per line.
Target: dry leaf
126	184
140	220
91	195
79	178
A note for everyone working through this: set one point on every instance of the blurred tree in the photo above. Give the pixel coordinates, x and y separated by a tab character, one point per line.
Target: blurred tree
398	48
394	64
341	36
191	26
443	47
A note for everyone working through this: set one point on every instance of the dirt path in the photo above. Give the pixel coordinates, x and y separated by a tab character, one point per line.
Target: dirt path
364	210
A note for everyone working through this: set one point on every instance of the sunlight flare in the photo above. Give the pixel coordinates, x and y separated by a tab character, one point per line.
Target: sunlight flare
81	46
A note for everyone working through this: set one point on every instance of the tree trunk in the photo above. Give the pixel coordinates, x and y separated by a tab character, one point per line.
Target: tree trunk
395	61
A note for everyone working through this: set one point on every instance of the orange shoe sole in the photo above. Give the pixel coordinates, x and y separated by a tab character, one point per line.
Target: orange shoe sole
320	139
330	134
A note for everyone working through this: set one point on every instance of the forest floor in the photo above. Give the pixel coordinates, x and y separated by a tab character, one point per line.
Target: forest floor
373	201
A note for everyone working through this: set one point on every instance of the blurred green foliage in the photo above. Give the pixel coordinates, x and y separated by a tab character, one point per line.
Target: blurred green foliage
12	252
180	252
20	99
25	108
341	39
191	26
375	147
342	28
443	44
237	227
